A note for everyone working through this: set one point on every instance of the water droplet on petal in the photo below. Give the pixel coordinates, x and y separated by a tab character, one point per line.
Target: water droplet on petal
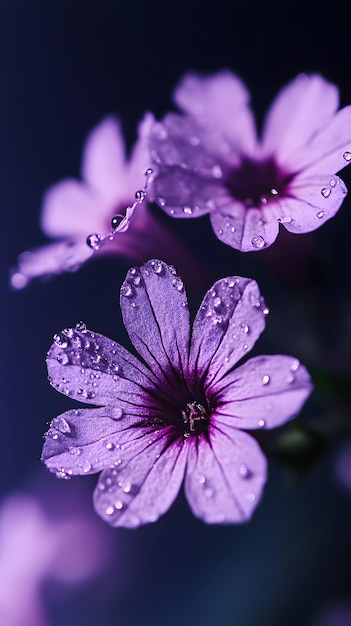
140	195
86	467
217	171
347	156
80	326
178	284
93	241
62	358
332	182
326	191
261	423
250	496
320	214
244	470
187	210
116	413
157	266
258	242
60	341
119	505
149	171
127	290
127	487
295	365
194	141
110	510
245	329
109	445
75	451
61	424
265	311
217	302
62	473
115	222
265	379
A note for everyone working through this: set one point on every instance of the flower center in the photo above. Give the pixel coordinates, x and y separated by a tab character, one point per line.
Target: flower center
256	183
195	419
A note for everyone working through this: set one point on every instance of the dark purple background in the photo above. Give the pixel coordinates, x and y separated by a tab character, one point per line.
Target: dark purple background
64	64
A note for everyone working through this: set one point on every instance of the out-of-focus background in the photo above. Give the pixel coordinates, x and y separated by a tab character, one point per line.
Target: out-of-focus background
64	65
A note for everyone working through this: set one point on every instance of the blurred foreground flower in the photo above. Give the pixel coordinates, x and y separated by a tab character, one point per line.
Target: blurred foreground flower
181	415
338	614
343	466
211	161
35	548
108	208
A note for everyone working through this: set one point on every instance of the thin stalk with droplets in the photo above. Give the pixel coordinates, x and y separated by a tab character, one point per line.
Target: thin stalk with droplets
120	223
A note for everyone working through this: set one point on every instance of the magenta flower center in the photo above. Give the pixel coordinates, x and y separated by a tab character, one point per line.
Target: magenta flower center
195	418
256	183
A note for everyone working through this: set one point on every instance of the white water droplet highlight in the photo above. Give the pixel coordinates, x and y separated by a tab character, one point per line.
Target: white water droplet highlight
258	242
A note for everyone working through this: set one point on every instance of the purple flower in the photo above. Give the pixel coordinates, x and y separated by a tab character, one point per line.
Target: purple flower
209	160
182	414
73	210
35	549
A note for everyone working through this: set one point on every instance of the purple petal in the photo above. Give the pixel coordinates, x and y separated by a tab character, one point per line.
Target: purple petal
312	202
300	110
156	316
94	369
48	261
70	209
220	101
145	487
225	476
227	325
264	392
104	161
188	167
247	230
329	150
183	193
85	441
140	158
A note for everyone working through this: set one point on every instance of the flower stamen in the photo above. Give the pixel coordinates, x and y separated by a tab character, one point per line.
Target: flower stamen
195	417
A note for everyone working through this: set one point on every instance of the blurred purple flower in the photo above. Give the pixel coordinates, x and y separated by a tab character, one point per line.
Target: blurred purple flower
181	415
211	161
73	210
335	615
343	466
34	548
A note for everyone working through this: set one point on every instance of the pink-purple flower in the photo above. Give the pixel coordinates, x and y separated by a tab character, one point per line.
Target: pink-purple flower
108	205
181	414
209	160
34	549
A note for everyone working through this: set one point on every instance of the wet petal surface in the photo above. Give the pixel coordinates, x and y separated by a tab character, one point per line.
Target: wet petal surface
145	487
227	325
225	476
264	392
156	316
